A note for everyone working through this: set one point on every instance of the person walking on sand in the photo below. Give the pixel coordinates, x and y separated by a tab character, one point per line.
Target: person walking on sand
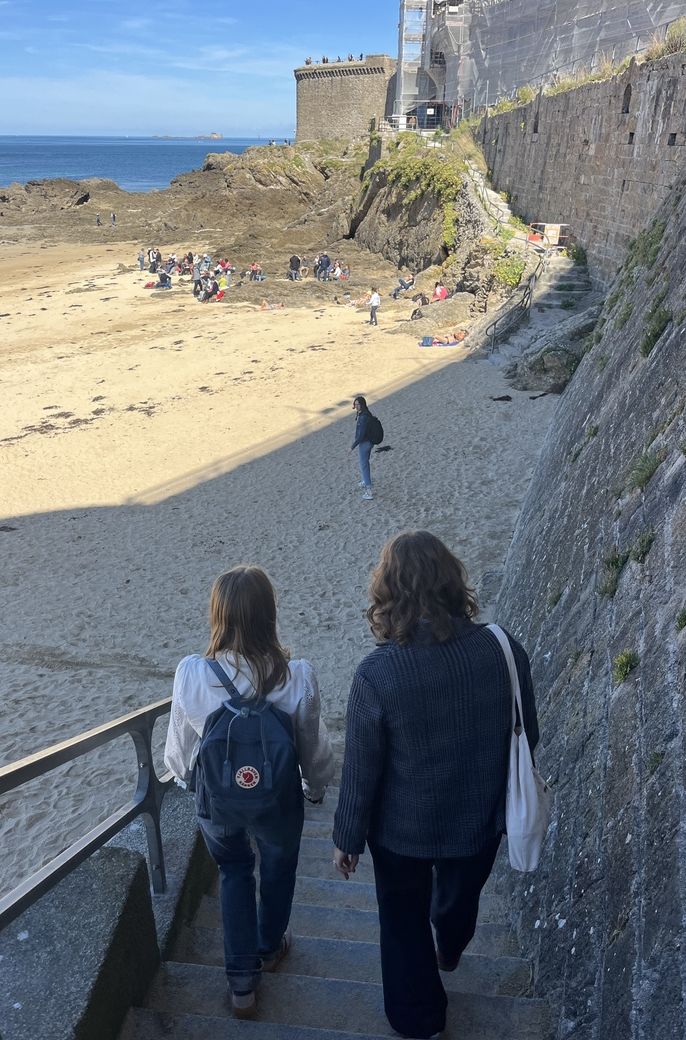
425	769
141	260
248	701
366	436
374	304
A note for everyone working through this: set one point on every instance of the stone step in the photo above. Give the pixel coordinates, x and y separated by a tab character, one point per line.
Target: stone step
575	291
361	962
355	1007
145	1024
324	922
341	895
318	828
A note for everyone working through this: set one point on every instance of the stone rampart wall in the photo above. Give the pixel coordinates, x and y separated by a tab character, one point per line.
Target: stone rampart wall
341	99
601	158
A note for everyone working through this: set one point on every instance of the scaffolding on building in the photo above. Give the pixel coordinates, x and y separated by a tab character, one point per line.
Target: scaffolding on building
411	45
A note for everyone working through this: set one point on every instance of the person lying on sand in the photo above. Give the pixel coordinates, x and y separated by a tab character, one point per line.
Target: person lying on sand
267	306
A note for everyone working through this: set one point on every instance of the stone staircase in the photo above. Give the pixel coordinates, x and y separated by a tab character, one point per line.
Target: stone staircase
563	283
329	986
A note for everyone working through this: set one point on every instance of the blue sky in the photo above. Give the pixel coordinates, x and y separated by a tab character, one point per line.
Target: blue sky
171	66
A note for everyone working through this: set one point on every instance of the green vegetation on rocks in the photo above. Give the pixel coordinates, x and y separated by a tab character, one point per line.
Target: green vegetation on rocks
642	546
614	565
643	469
644	249
418	173
508	271
658	320
681	620
624	664
674	41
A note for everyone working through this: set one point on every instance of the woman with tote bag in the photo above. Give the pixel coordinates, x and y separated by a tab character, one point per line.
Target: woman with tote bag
425	770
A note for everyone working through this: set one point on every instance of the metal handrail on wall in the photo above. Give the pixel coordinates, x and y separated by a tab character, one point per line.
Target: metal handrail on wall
520	309
522	306
147	802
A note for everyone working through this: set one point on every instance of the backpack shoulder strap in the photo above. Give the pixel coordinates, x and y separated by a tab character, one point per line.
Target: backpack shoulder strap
234	695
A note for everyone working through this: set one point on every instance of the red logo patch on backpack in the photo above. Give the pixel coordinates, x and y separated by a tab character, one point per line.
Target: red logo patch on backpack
247	777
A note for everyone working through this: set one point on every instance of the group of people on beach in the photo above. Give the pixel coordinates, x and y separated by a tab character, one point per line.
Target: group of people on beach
423	786
323	268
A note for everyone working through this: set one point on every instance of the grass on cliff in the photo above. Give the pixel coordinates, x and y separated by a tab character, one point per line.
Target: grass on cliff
416	172
604	71
614	565
624	664
643	469
673	42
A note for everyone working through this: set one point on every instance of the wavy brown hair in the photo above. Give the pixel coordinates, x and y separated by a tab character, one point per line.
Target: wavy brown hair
243	621
418	579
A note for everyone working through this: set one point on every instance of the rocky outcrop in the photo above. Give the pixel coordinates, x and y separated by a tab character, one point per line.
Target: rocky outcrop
264	204
412	235
554	358
595	587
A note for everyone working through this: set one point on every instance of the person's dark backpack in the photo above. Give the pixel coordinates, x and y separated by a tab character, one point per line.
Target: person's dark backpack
374	429
247	772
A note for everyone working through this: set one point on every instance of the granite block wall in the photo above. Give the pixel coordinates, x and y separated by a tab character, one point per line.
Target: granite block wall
595	588
342	99
601	158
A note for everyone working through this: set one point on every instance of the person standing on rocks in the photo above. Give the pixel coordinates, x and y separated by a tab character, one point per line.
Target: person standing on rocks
98	221
425	769
374	304
141	259
246	663
113	218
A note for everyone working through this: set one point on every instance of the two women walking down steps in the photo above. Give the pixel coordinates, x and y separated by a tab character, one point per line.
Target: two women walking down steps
247	704
425	769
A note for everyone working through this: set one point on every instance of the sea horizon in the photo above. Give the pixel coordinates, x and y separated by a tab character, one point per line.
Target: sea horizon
134	163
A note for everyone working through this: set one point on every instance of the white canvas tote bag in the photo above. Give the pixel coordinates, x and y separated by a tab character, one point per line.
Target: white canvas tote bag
529	799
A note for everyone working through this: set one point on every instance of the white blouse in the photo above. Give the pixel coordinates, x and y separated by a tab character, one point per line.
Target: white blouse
197	694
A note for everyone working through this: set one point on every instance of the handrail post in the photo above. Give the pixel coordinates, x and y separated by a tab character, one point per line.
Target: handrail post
149	794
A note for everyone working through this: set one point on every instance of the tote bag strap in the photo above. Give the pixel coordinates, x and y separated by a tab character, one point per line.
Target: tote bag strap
514	676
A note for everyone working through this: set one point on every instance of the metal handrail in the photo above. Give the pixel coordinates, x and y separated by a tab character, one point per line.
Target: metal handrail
147	801
522	307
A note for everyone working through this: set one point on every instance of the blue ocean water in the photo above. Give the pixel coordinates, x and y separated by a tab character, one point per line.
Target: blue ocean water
135	163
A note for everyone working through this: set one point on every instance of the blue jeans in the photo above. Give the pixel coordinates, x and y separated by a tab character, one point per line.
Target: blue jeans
252	933
364	451
372	316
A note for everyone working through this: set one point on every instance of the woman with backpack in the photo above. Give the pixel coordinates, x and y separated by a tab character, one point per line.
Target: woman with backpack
429	726
368	432
247	706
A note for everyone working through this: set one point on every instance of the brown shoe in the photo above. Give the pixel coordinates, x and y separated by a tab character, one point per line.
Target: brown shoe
244	1005
271	964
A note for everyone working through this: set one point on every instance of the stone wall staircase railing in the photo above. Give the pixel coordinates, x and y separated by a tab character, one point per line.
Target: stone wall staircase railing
329	986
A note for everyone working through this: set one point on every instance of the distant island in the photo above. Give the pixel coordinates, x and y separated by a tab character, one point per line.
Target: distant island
199	137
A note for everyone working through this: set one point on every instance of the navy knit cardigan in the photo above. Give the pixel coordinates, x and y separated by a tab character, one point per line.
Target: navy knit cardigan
427	745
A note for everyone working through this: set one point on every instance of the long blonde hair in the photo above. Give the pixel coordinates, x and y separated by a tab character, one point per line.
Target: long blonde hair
243	622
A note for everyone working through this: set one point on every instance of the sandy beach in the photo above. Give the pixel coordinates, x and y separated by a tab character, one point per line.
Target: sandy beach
148	443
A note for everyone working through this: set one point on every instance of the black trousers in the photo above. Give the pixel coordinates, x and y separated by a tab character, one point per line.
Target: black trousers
412	895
